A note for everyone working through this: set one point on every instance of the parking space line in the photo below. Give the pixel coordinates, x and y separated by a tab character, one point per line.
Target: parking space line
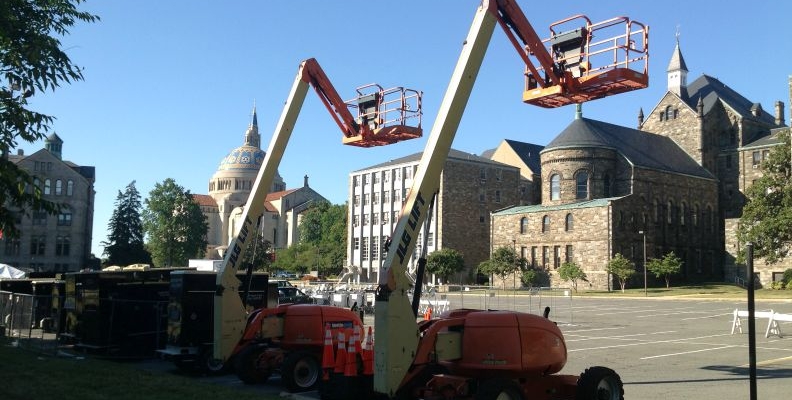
672	313
644	342
768	362
708	316
593	329
688	352
619	337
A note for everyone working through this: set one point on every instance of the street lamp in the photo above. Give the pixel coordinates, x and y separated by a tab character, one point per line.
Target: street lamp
643	233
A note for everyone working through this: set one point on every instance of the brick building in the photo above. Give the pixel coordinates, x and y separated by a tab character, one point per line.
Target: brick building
728	135
674	184
604	187
471	187
54	243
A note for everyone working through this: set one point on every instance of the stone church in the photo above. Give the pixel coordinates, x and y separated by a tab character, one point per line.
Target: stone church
673	184
230	187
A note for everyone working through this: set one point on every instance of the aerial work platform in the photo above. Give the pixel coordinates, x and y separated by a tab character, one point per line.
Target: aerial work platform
586	67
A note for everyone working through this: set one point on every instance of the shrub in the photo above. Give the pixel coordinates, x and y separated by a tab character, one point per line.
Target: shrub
787	277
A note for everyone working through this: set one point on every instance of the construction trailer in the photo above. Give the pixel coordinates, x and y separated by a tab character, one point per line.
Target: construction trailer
191	315
116	313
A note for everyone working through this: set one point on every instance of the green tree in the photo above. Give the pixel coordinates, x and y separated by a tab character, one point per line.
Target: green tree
31	60
622	268
766	220
535	277
259	253
571	272
124	245
669	265
445	263
296	258
503	262
174	225
323	228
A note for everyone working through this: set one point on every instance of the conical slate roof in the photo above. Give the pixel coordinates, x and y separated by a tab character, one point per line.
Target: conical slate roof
677	62
641	149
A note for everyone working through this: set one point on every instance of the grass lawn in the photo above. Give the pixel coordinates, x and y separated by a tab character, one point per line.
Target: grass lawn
28	375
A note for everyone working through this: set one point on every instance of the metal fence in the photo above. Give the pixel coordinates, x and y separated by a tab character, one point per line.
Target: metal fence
443	298
105	327
528	300
25	323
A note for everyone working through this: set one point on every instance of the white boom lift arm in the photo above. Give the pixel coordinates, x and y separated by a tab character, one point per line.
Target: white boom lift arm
396	333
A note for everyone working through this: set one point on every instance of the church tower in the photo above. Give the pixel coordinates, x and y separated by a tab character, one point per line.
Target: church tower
677	73
231	184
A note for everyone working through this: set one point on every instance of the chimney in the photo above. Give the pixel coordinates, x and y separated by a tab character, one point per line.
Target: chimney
779	113
20	152
305	181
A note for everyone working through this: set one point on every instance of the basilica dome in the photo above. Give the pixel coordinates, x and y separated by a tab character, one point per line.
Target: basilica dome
238	170
245	157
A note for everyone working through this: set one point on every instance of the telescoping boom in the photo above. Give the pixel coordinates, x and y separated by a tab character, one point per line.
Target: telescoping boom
559	71
384	116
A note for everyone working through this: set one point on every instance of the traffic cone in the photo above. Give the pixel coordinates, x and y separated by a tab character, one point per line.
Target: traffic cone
368	354
350	369
428	314
358	333
328	362
341	355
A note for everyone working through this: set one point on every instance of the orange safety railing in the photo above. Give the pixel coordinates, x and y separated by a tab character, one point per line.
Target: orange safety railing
612	58
391	115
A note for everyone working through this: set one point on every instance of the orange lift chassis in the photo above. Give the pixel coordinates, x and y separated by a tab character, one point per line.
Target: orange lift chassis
444	358
383	116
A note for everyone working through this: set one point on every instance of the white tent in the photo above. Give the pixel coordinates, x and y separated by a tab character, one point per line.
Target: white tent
9	272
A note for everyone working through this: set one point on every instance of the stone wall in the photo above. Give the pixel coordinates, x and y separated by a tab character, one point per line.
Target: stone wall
464	220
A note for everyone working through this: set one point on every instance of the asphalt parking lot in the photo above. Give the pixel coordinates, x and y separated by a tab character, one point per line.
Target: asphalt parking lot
662	348
670	348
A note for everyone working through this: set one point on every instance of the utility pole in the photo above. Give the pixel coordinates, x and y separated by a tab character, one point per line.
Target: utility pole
643	233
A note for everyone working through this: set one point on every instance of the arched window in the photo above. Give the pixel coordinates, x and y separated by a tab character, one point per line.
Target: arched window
69	187
606	183
545	223
695	215
657	211
569	222
683	214
523	225
555	187
670	212
581	188
47	186
669	113
58	187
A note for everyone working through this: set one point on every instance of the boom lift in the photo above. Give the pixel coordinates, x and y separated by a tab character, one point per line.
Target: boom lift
445	357
384	116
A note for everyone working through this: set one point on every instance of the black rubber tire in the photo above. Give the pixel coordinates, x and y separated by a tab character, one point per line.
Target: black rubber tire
210	365
599	383
248	367
301	371
499	389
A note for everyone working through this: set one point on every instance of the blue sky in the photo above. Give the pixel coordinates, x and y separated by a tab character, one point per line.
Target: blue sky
169	85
